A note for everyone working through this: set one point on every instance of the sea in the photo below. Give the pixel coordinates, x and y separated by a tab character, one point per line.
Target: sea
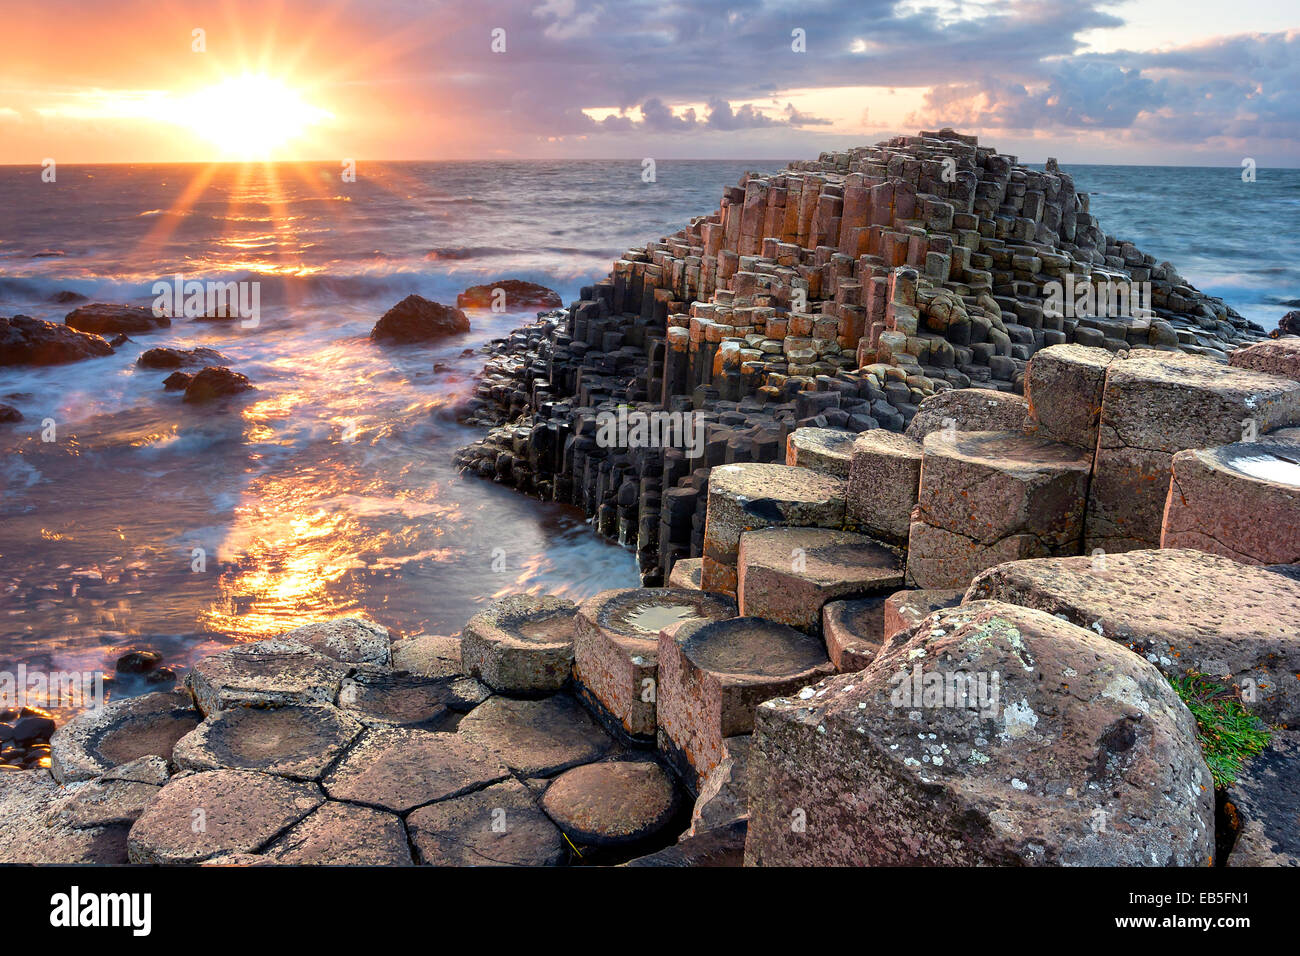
131	520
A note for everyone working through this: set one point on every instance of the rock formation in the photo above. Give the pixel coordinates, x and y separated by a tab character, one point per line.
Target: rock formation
417	319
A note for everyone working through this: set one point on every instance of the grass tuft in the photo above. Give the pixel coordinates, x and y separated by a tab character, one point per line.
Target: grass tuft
1229	734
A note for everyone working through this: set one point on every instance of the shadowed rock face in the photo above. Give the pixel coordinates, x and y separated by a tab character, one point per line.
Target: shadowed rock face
1079	753
417	319
107	319
1264	805
28	341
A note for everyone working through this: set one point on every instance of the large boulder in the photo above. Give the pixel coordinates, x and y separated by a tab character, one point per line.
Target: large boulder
1180	609
517	294
997	735
417	319
28	341
104	318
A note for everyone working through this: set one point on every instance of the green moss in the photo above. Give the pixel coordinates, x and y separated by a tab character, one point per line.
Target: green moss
1228	733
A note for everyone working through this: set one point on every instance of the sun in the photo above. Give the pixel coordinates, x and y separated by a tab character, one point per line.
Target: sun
251	116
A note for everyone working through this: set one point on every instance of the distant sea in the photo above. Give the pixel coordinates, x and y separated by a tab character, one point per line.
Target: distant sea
331	491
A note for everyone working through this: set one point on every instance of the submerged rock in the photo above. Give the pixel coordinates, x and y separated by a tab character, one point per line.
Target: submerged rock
9	414
215	381
417	319
28	341
518	295
104	318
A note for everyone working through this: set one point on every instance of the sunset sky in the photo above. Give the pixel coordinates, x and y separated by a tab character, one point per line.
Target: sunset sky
1150	81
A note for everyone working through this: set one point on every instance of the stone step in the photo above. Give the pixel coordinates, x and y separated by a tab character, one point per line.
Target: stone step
756	495
686	573
1064	386
990	497
853	631
523	644
1180	609
1241	501
788	574
1156	404
616	648
714	674
994	736
826	450
884	480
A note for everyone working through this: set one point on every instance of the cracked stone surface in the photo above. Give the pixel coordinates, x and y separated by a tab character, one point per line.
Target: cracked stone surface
266	673
399	769
347	639
429	655
31	833
387	698
969	410
201	815
340	834
498	826
118	797
537	738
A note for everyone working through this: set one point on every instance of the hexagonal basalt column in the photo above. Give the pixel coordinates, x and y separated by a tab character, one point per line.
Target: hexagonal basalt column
95	741
714	674
522	644
990	497
753	495
853	631
827	450
616	647
268	674
1155	405
884	479
1241	501
788	574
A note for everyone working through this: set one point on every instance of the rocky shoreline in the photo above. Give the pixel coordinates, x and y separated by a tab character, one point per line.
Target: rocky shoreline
950	579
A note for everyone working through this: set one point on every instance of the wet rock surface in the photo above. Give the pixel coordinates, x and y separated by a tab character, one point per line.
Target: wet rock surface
107	319
215	382
417	319
28	341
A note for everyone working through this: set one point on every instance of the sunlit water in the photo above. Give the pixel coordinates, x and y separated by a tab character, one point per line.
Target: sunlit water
330	490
